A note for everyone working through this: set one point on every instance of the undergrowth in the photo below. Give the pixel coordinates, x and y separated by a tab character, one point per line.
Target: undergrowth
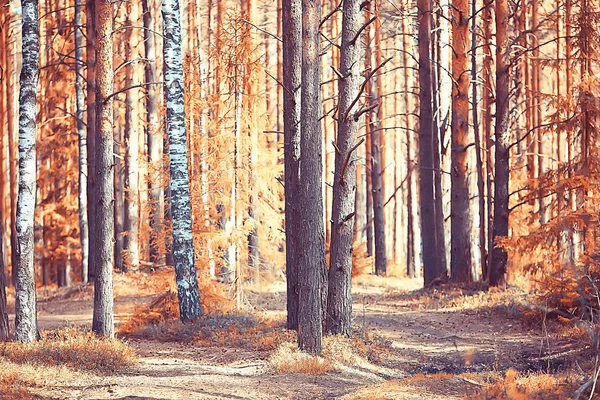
71	347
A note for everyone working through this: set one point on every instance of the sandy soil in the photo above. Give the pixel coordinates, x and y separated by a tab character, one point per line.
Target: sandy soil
423	340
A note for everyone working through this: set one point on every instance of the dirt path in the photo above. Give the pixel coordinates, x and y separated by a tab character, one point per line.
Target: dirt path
422	341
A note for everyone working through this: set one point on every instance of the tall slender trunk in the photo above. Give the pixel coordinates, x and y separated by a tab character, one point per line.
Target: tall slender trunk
154	137
292	75
183	244
501	210
25	296
82	138
339	301
104	229
478	147
461	270
311	261
432	267
90	33
131	178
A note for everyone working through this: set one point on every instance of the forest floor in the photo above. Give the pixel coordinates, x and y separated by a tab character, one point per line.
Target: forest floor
440	343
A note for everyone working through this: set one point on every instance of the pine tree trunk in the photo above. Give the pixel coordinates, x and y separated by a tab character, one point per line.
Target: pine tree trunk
460	262
154	138
311	261
183	244
339	301
131	181
90	32
81	134
432	266
25	295
292	75
104	229
501	169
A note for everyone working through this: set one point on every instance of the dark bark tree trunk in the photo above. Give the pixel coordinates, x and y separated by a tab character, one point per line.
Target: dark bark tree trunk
190	307
104	229
82	137
292	77
154	138
90	26
311	261
460	237
25	295
501	168
432	265
339	300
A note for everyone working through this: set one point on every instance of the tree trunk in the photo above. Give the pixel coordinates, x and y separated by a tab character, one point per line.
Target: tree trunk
154	138
90	32
81	134
501	169
311	261
460	263
131	181
104	229
25	296
339	301
292	75
432	265
183	245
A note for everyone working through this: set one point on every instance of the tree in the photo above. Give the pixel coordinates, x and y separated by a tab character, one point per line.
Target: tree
103	234
188	294
460	260
339	297
432	249
153	135
501	152
25	294
81	134
292	76
311	257
90	33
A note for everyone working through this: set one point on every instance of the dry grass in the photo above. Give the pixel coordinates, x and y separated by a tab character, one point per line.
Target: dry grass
515	386
71	347
339	354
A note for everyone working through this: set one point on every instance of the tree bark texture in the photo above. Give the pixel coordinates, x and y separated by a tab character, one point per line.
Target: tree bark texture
104	229
25	295
339	300
190	307
460	260
311	261
292	77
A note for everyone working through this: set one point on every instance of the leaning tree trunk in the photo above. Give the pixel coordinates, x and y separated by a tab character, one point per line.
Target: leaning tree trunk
183	244
104	228
81	135
311	258
292	75
501	169
339	300
460	262
25	296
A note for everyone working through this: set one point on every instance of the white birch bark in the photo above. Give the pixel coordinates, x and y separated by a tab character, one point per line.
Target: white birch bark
25	296
183	244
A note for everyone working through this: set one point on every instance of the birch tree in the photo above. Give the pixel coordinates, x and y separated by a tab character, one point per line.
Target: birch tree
25	294
311	257
183	245
339	297
104	228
